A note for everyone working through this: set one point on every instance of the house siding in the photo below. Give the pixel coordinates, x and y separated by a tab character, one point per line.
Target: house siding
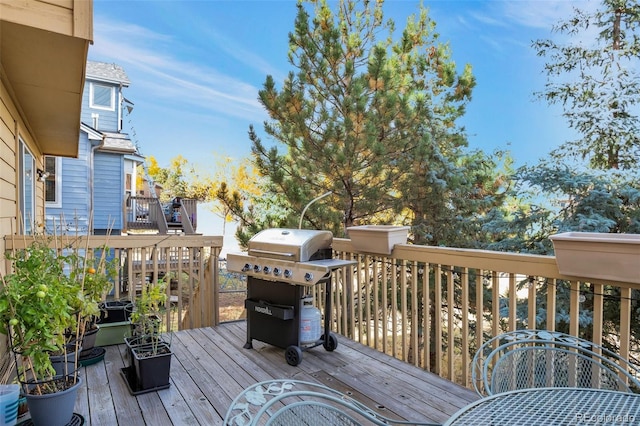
107	120
74	216
8	165
93	185
108	195
12	128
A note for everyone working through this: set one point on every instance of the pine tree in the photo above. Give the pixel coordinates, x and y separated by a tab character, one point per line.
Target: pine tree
594	77
371	117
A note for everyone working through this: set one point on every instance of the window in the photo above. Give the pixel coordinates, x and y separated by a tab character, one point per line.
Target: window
102	96
27	190
52	183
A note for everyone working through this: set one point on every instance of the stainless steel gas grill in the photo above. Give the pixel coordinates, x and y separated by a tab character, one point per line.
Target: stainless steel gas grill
281	265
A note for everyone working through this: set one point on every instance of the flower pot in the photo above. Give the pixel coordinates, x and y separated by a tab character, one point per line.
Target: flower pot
9	396
115	311
112	333
377	239
65	364
614	257
53	409
143	342
89	340
152	365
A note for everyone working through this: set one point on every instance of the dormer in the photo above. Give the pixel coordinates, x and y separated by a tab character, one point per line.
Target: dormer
103	100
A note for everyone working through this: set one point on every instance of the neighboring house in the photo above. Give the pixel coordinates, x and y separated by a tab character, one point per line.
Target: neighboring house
144	189
43	56
87	194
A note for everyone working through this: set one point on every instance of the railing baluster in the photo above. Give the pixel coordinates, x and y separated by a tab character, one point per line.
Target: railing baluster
414	324
495	304
426	310
361	297
464	282
372	289
531	291
551	303
574	308
513	304
437	307
403	309
451	321
625	321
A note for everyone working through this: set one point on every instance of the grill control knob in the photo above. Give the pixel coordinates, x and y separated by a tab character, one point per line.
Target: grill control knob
288	273
277	271
256	268
266	269
308	276
246	267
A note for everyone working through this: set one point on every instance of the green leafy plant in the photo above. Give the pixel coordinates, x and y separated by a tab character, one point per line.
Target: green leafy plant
35	309
92	273
148	312
46	299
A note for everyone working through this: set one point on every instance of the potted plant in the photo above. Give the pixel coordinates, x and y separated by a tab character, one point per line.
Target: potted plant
112	311
149	353
45	302
93	274
148	309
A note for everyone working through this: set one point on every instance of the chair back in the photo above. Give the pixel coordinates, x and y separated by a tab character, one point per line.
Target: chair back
537	358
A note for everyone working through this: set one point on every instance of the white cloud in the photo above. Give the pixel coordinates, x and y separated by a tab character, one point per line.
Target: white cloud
541	14
168	75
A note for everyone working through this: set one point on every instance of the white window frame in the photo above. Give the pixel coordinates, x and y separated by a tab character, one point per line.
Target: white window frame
112	89
57	203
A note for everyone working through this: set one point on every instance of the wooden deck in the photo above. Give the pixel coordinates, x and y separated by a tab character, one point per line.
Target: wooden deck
210	367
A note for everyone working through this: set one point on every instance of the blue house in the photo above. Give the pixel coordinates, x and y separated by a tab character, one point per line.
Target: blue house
88	194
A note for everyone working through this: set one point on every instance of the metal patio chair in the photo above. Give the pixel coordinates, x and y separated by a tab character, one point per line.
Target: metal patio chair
296	402
524	359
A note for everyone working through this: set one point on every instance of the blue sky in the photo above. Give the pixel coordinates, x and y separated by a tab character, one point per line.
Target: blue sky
196	67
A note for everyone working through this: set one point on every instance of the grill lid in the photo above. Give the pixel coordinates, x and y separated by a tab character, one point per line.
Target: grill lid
297	245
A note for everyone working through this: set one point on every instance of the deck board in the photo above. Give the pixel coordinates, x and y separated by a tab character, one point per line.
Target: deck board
210	367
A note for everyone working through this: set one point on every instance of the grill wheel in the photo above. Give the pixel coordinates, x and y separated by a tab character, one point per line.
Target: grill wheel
293	355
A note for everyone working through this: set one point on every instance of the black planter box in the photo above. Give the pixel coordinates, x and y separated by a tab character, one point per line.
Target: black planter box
115	311
152	371
137	341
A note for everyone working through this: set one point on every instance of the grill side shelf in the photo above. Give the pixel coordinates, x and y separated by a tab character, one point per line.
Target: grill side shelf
283	312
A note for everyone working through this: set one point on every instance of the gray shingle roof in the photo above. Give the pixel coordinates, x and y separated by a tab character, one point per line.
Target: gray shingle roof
104	71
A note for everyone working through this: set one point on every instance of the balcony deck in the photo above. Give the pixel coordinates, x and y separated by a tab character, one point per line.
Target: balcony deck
210	367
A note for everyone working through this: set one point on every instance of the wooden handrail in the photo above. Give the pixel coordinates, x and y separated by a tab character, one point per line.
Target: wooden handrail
188	262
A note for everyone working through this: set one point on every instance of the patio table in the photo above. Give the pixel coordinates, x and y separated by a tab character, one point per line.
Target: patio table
551	406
